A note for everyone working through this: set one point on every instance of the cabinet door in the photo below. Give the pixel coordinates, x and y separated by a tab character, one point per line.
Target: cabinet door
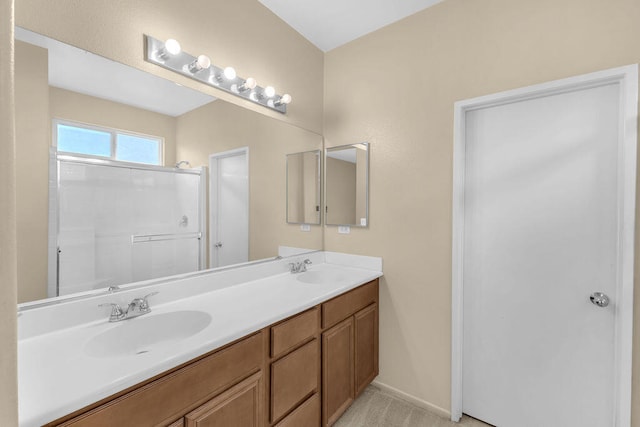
240	406
337	371
366	346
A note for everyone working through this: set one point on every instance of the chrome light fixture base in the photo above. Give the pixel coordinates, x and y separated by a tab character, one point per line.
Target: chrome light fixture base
213	76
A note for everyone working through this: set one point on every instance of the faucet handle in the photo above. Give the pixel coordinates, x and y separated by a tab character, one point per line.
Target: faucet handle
303	265
116	311
144	305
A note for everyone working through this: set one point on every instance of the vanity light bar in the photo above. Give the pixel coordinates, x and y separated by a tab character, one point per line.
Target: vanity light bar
200	68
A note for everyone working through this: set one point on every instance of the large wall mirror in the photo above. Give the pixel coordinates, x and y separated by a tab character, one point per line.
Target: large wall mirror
90	213
347	185
303	187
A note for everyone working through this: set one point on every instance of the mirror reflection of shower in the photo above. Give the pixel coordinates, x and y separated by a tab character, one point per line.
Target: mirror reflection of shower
183	162
119	223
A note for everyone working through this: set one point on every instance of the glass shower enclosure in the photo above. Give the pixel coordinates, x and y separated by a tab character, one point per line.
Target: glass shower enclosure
113	223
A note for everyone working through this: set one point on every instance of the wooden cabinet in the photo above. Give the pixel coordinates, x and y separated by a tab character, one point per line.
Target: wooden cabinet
365	334
304	371
343	306
240	406
338	389
306	415
163	400
295	367
349	349
289	334
294	378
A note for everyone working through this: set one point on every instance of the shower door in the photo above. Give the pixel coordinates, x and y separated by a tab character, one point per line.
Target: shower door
119	223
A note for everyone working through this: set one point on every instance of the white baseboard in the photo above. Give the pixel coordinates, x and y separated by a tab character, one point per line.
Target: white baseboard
413	400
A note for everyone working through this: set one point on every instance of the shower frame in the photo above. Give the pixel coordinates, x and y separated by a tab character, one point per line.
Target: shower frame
56	157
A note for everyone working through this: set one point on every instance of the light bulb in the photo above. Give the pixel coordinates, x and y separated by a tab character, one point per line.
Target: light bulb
202	63
269	91
250	83
230	73
172	46
284	99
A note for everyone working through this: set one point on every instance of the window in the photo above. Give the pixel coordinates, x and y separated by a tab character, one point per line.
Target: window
108	143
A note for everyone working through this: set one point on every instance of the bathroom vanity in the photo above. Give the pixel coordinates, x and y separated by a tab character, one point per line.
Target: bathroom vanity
294	351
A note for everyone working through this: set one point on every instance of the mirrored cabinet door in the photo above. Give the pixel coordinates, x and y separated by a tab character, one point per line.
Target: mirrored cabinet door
303	187
347	185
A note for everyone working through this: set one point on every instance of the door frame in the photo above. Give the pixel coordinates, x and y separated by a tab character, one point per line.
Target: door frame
627	78
213	196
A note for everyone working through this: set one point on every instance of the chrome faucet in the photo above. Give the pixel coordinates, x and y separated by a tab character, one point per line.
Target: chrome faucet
299	266
137	307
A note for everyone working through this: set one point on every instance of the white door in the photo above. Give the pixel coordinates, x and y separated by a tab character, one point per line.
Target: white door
544	205
229	207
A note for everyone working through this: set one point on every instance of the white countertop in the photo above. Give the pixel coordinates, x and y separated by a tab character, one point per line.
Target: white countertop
56	377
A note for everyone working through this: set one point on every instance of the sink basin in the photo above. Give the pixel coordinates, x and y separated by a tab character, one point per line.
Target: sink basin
146	333
319	277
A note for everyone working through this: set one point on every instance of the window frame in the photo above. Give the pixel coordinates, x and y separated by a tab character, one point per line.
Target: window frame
113	134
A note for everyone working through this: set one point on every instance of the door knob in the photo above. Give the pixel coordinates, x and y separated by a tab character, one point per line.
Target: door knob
218	245
599	299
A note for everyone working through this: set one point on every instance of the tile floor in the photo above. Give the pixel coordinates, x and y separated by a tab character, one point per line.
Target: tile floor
376	408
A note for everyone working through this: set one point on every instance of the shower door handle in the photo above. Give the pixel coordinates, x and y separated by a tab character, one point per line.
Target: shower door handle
218	245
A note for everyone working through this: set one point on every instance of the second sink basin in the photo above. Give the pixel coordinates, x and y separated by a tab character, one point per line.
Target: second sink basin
147	333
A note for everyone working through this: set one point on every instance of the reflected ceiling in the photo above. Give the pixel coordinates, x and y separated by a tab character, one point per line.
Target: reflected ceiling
84	72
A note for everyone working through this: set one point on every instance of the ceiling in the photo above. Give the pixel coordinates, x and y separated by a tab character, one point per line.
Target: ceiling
80	71
332	23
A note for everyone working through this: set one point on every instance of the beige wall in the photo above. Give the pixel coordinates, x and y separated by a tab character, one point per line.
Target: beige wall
221	126
33	132
241	33
455	50
8	258
91	110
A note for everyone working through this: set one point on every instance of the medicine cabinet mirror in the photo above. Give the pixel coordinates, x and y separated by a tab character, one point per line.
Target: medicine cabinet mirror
303	187
347	185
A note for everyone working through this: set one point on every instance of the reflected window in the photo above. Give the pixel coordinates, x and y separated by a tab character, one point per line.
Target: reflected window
114	144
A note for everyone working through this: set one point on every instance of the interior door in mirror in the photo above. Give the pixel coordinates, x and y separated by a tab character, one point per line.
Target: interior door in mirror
303	187
347	185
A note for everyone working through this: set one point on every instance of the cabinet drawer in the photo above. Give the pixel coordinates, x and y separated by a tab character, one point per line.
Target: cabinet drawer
343	306
167	398
237	407
293	378
306	415
290	333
